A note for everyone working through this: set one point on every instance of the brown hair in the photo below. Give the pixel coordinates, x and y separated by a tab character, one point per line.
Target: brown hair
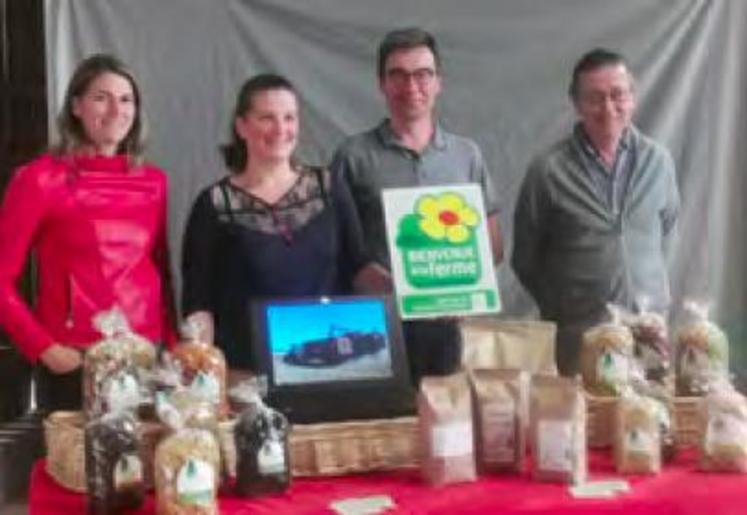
234	152
72	134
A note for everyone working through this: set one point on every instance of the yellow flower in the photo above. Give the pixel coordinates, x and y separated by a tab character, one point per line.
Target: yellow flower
447	217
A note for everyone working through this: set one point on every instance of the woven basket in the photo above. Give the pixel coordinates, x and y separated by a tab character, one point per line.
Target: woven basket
66	455
348	447
686	421
600	420
227	444
63	434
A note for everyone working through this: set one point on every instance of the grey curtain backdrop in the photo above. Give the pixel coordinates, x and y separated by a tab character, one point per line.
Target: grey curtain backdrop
506	69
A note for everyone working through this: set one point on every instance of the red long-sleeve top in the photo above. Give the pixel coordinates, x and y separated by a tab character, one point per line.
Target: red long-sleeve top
97	227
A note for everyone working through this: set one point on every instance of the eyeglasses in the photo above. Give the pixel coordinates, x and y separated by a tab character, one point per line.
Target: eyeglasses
400	77
599	98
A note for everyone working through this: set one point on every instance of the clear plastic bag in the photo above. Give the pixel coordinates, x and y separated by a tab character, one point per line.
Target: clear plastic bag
607	355
116	369
203	367
187	462
262	449
115	474
637	434
702	351
723	429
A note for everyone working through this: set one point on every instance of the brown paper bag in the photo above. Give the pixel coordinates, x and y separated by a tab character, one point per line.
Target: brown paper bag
558	429
522	344
501	417
446	434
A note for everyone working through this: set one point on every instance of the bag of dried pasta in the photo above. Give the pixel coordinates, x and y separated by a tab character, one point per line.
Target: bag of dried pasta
445	425
606	355
116	369
203	366
558	429
663	399
187	463
702	351
637	434
723	429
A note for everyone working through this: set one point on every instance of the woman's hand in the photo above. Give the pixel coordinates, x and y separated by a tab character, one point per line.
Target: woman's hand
373	278
61	359
205	326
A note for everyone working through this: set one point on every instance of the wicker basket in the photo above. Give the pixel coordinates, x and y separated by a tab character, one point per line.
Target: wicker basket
347	447
686	421
600	420
63	434
66	457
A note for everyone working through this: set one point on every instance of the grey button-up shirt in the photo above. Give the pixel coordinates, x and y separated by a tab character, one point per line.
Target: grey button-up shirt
375	160
573	253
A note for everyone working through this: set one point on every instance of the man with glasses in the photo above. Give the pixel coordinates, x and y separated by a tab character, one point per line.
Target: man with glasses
596	211
410	148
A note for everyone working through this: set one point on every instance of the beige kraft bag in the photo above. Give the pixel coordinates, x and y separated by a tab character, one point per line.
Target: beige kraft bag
446	434
558	429
522	344
501	414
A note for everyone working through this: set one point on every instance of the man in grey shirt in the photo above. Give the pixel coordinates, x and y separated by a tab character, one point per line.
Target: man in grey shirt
410	148
596	211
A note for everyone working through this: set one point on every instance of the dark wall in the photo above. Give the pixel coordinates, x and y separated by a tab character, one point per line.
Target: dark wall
23	134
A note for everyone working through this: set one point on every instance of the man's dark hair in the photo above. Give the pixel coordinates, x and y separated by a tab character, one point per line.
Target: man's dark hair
403	39
593	60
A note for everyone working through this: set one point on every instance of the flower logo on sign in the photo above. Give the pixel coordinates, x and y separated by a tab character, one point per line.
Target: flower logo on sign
439	243
446	217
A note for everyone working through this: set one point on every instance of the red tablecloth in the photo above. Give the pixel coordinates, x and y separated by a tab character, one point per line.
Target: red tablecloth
679	490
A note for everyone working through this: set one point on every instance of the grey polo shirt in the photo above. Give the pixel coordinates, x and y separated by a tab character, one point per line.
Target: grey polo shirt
375	160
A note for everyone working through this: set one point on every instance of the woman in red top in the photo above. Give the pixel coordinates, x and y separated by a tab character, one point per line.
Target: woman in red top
95	218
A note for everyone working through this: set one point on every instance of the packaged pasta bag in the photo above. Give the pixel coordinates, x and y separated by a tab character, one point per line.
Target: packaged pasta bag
723	429
606	355
652	346
445	425
203	366
663	399
187	462
115	475
116	369
262	449
637	434
558	429
702	351
500	407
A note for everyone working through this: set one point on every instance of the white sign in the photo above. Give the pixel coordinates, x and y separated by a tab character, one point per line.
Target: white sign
442	264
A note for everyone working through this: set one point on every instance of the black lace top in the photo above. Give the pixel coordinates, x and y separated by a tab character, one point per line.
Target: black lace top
237	247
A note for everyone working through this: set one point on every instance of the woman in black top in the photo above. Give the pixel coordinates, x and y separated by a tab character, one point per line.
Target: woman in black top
273	228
